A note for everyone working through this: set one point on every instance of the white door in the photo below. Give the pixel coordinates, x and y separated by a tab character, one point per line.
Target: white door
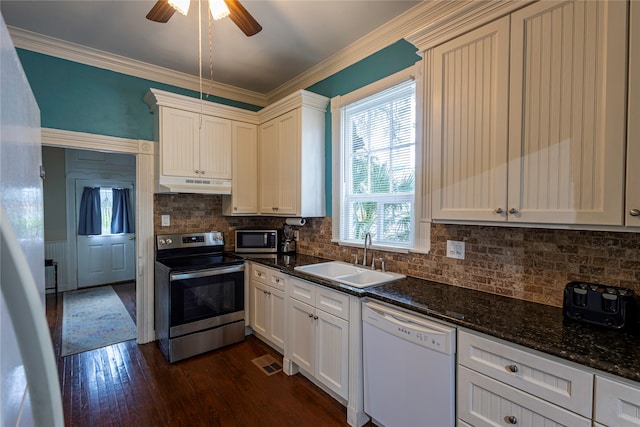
104	258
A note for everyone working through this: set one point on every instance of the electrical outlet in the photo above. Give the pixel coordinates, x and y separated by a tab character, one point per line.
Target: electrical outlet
166	220
455	249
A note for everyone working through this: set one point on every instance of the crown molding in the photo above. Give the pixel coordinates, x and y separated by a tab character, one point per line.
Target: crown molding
156	97
300	98
97	58
385	35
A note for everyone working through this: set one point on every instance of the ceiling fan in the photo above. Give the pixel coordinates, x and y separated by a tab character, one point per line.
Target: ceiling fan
164	9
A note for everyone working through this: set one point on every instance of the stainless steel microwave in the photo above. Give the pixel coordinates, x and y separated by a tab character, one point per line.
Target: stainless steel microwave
257	241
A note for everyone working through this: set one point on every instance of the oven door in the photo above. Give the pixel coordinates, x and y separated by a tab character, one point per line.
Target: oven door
205	299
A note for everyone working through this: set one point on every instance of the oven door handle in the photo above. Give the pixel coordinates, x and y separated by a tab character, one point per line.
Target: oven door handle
208	272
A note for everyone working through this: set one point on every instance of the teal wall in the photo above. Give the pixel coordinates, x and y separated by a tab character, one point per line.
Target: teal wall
383	63
82	98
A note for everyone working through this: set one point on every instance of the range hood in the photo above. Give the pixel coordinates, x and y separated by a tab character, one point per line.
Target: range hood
172	184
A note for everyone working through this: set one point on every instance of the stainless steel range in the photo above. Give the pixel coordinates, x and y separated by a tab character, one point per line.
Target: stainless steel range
199	295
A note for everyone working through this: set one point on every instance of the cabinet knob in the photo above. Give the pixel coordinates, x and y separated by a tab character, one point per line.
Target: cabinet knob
315	317
235	208
510	419
196	171
513	211
202	172
498	210
634	212
310	315
512	368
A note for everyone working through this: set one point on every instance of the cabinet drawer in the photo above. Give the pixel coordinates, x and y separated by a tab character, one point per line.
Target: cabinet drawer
276	279
259	273
617	403
303	291
332	302
555	382
483	401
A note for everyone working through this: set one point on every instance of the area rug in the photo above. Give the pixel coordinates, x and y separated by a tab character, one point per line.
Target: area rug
267	364
94	318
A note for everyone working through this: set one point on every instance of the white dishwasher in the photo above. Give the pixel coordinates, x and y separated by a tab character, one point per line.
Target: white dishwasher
409	368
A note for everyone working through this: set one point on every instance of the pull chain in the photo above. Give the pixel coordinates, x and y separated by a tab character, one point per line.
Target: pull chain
210	88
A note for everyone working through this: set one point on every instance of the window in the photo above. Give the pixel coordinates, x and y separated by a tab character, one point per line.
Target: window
375	155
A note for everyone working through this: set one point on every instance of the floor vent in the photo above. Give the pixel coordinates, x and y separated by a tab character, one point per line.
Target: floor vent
267	364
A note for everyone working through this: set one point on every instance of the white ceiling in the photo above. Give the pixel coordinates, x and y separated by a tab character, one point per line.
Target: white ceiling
296	35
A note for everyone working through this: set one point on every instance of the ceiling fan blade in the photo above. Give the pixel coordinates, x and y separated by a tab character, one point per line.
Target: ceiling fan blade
242	18
161	11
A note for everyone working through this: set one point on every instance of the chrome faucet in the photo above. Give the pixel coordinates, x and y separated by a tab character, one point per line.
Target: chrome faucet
367	238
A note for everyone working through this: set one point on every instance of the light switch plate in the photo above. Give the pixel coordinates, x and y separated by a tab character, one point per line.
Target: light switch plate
166	220
455	249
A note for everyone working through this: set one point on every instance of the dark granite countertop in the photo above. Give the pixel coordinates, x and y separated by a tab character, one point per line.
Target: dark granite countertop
537	326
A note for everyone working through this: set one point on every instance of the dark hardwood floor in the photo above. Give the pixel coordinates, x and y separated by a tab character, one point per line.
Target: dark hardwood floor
128	384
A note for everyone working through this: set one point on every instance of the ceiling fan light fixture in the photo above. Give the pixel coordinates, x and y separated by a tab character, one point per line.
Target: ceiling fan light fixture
218	9
181	6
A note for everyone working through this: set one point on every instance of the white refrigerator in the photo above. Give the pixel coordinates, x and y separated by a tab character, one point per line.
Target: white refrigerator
29	386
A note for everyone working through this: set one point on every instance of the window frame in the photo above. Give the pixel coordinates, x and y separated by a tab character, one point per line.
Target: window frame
421	220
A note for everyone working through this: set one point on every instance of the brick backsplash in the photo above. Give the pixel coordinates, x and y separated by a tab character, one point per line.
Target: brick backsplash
524	263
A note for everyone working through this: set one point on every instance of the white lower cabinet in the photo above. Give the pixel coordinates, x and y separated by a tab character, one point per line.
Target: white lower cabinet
501	384
318	341
483	401
617	403
266	299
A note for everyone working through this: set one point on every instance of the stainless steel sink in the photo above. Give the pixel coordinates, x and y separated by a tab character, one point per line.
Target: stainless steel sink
349	274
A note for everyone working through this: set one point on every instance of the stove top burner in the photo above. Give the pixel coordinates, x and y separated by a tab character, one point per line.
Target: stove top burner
194	251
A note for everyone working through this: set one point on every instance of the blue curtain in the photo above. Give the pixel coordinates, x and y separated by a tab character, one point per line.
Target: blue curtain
90	214
122	214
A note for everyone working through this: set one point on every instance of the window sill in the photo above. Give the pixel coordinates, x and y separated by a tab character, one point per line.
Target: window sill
383	248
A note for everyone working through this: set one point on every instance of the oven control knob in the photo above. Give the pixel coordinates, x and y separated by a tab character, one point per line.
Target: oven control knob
162	242
169	241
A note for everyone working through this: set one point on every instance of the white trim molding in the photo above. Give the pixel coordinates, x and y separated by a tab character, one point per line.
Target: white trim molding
145	152
51	46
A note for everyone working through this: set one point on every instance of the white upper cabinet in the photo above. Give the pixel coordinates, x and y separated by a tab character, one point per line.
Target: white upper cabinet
194	145
529	117
292	156
179	133
470	113
215	147
632	214
244	155
196	139
567	113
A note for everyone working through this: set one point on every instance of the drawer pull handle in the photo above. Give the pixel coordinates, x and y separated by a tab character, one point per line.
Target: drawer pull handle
510	419
512	368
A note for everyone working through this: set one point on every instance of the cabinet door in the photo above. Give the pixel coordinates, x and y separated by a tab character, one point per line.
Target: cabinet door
260	308
179	139
269	168
244	192
289	163
633	132
215	148
484	402
567	112
616	403
470	117
302	335
276	317
332	352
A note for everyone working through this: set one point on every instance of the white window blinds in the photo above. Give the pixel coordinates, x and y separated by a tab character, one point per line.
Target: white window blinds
378	143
